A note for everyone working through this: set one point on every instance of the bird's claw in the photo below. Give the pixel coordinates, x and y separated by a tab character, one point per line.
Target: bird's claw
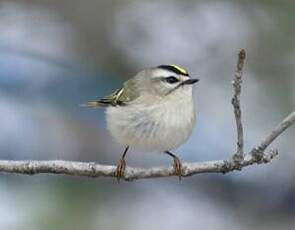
120	170
177	167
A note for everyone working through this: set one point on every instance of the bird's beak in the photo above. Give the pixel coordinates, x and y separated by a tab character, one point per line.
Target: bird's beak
186	82
190	81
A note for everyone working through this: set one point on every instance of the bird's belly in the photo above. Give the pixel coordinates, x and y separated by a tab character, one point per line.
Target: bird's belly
150	129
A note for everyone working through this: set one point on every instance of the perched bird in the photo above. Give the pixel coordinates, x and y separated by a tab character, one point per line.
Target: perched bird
153	111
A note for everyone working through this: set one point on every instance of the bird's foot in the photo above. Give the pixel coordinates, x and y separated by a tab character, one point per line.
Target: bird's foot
177	167
119	173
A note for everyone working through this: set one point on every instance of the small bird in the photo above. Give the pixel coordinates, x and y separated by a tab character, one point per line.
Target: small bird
153	111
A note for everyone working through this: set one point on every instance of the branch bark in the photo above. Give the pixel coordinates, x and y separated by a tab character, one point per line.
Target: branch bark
92	169
238	161
239	155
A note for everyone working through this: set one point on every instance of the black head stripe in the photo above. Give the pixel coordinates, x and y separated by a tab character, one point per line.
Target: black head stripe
174	68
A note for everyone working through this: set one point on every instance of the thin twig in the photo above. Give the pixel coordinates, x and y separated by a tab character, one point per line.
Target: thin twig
257	152
239	155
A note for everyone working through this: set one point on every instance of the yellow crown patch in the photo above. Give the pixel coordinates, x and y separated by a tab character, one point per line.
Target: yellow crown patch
182	70
174	68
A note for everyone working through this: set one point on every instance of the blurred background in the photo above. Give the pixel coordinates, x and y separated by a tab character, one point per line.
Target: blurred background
55	55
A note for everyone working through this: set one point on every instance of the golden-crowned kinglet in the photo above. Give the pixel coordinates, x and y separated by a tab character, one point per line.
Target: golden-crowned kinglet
153	111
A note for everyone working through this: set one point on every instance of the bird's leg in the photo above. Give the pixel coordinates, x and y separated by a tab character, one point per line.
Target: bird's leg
176	164
121	166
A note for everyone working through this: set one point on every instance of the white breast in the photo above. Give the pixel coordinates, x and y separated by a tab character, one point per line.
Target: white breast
158	126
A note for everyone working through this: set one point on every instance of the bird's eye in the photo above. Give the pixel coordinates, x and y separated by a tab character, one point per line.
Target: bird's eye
171	79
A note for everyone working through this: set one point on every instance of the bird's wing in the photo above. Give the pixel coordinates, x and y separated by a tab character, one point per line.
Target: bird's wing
119	97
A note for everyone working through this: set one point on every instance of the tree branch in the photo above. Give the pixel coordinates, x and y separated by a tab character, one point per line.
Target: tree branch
92	169
238	161
239	155
257	152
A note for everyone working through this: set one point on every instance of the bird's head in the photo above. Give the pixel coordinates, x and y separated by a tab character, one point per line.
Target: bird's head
168	79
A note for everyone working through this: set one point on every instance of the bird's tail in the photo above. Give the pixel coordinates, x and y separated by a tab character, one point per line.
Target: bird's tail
94	104
109	100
